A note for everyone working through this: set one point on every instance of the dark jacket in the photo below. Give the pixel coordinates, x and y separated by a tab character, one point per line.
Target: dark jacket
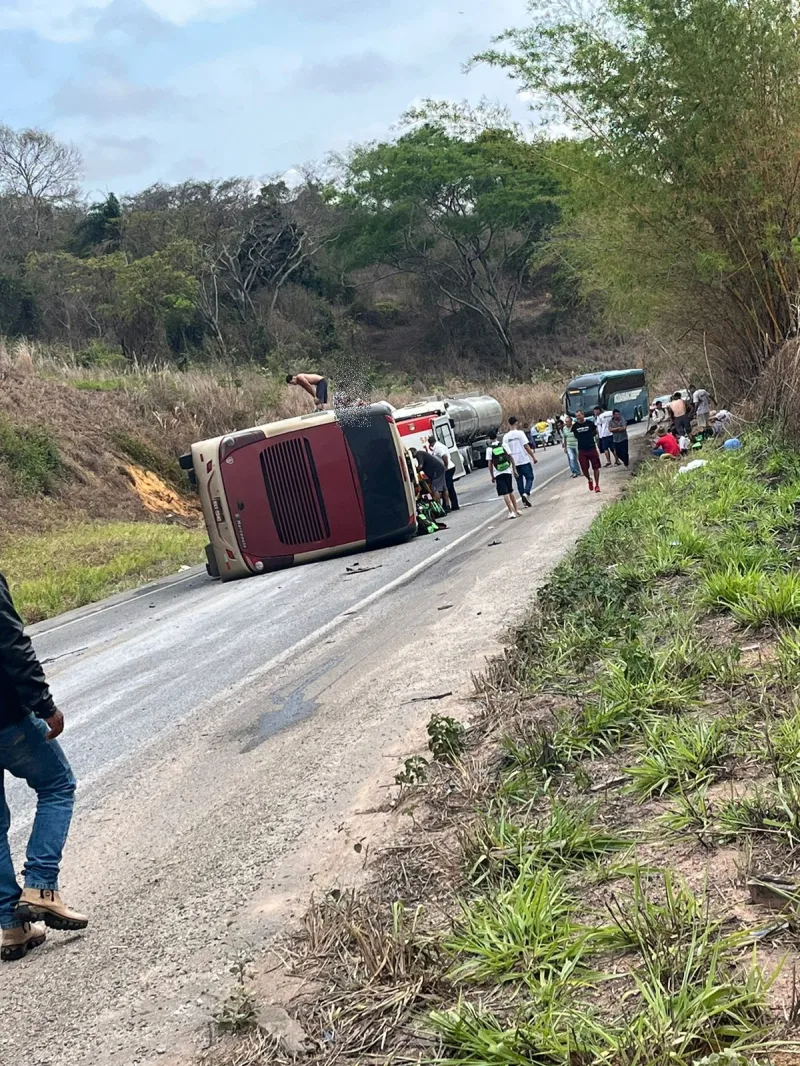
23	689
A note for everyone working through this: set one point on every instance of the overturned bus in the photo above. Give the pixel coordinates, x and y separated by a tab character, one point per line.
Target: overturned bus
301	489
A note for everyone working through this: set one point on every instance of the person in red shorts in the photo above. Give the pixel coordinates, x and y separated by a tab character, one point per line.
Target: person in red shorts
588	456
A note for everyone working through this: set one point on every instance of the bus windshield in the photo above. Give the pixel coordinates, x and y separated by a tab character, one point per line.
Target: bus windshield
582	399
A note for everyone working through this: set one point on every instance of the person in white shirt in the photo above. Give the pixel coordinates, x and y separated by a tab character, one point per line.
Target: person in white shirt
441	451
605	438
518	447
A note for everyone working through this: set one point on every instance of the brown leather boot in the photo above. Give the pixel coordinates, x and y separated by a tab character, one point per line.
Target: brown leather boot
19	941
45	905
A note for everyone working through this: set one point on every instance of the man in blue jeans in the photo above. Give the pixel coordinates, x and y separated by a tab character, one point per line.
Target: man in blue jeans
518	446
29	725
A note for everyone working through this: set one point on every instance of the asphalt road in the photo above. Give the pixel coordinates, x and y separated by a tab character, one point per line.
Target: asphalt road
128	670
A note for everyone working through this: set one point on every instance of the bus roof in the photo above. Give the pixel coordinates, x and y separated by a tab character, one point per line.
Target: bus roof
586	380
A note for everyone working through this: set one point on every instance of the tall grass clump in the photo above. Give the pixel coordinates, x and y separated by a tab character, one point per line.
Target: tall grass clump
31	456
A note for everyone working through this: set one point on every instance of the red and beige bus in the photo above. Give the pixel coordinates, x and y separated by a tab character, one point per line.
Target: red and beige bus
302	489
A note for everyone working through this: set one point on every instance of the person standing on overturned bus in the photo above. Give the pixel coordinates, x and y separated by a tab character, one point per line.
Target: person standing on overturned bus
314	384
585	433
518	447
29	725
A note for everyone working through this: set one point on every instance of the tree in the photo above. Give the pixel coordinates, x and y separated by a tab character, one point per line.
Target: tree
100	231
279	237
39	170
687	181
464	216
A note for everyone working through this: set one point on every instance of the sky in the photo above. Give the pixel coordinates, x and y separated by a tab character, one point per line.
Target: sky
165	90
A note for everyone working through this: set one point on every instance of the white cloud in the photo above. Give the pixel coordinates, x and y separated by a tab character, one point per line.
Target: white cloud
181	12
74	20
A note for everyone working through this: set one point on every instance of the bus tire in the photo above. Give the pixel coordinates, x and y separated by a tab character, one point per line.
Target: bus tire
211	563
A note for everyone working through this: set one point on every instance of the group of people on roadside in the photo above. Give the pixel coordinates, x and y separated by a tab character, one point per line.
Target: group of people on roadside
685	422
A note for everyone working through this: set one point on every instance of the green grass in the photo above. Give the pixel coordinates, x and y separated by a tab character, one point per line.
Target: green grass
101	384
630	680
50	573
526	933
680	754
31	457
567	836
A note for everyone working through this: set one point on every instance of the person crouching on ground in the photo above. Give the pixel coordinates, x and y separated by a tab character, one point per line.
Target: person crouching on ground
585	433
619	431
29	725
503	471
434	470
667	444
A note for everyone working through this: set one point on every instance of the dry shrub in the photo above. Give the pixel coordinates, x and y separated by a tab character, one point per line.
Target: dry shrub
529	402
778	389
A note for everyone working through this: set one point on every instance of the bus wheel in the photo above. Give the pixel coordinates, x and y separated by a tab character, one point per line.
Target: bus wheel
211	563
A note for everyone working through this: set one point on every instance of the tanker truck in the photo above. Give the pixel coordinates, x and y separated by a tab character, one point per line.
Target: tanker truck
465	424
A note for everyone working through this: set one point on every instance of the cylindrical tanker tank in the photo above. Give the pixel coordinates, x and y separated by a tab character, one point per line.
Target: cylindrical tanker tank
474	417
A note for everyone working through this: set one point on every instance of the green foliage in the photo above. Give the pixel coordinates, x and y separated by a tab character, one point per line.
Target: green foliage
238	1012
566	837
100	231
680	753
774	811
683	199
31	456
525	933
414	772
446	738
97	354
754	597
463	214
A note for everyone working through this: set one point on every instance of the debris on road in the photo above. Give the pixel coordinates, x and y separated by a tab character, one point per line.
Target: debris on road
424	699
